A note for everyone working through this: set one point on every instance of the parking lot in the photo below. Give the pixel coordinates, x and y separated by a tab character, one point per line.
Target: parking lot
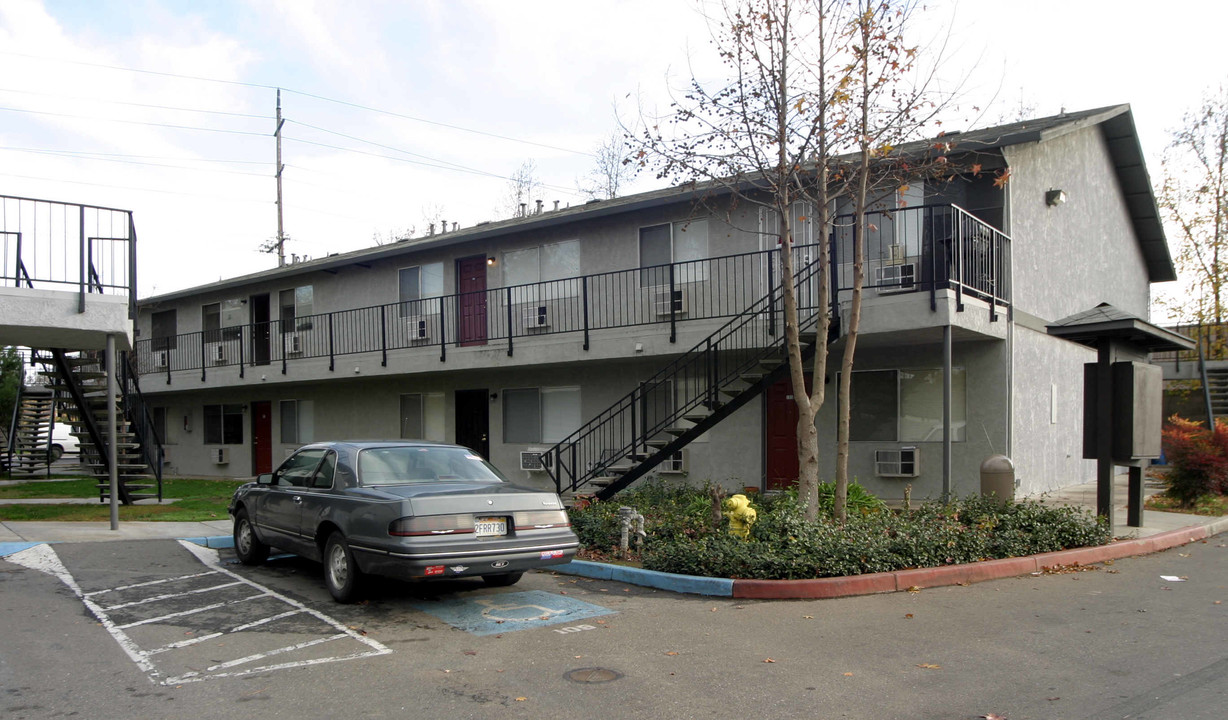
171	630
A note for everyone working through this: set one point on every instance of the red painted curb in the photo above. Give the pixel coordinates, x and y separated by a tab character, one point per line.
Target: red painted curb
872	583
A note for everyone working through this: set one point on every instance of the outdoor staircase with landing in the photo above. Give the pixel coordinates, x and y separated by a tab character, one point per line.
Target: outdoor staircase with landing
28	447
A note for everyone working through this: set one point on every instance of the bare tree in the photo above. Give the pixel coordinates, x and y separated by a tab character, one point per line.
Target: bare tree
523	187
819	95
611	169
1194	199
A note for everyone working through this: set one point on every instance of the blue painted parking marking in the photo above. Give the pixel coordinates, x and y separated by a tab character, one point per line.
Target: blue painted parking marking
505	612
9	548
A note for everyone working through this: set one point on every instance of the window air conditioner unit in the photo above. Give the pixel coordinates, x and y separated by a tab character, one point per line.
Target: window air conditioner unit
536	317
896	278
535	460
665	301
294	344
419	328
905	462
679	462
216	352
895	254
219	456
161	359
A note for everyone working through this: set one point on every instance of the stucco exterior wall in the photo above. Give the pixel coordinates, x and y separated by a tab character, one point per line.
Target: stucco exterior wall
1072	257
1048	412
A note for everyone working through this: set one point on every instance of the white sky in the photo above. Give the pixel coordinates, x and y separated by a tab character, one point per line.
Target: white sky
550	73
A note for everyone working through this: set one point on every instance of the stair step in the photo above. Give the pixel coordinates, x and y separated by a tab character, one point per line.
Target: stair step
751	378
771	362
732	391
677	430
657	443
696	417
619	469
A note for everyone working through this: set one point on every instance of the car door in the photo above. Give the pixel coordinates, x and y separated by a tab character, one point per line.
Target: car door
318	501
280	510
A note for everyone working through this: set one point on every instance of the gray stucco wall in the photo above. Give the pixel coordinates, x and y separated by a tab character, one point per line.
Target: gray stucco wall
1048	412
1072	257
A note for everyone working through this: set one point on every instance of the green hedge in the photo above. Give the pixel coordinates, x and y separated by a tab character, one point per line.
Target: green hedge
784	545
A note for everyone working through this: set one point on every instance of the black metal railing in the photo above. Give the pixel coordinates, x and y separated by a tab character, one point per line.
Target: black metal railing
692	383
57	245
1211	339
912	249
137	410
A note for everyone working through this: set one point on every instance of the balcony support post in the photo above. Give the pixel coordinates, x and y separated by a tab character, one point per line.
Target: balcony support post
584	295
383	335
202	357
510	331
771	291
673	314
82	256
281	333
331	359
443	344
242	361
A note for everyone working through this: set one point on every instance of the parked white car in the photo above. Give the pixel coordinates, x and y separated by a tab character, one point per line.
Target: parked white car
63	441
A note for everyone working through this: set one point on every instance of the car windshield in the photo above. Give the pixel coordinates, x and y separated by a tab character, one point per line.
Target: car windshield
417	464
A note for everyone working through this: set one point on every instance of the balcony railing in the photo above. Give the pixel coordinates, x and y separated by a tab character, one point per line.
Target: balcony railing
1210	338
65	246
914	249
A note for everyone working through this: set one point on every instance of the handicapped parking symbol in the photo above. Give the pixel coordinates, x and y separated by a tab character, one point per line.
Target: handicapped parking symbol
514	611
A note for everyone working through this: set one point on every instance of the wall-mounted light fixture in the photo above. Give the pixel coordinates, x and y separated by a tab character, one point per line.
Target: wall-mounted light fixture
1053	198
494	396
490	261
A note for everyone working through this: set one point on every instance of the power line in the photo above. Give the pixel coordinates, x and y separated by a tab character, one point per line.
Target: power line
136	104
136	122
304	94
143	157
113	186
67	154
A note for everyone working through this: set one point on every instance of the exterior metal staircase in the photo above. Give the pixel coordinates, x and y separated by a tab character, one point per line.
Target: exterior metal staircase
1216	382
82	380
28	447
688	397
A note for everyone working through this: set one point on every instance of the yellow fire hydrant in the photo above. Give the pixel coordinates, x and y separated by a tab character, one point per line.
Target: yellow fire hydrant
741	515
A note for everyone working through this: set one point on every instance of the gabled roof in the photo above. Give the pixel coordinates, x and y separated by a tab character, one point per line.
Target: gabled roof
1116	122
1108	322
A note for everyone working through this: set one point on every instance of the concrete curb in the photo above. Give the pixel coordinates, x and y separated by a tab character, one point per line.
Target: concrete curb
874	583
217	541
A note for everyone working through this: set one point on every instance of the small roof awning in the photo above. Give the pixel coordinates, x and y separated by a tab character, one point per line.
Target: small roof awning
1105	322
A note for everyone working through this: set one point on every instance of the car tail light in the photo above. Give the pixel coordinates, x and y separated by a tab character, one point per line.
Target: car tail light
431	525
541	519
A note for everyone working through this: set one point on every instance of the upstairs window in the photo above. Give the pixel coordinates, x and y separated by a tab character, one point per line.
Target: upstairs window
297	305
415	284
680	242
164	330
545	264
222	321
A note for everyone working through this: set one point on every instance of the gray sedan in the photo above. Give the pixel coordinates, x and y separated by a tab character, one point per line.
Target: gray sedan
410	510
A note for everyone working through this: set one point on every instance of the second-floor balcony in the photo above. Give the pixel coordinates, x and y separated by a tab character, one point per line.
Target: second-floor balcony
920	250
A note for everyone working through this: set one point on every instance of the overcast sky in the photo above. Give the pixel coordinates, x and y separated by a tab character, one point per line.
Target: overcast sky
469	91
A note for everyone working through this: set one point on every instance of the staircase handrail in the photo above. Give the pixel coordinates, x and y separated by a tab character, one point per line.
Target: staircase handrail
137	410
12	431
764	305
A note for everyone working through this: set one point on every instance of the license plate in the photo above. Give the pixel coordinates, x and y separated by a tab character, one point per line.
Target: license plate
489	526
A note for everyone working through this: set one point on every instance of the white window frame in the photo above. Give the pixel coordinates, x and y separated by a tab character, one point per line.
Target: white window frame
431	416
534	291
699	270
404	304
569	424
959	432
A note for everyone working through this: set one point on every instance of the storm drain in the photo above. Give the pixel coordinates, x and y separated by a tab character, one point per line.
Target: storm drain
592	675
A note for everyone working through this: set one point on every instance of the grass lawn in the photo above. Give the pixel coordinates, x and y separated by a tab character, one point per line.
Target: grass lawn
1213	505
198	500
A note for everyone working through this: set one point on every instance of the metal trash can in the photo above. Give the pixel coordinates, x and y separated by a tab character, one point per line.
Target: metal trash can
998	477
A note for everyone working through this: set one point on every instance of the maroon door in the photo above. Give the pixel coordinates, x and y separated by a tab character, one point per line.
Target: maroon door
781	441
262	437
471	285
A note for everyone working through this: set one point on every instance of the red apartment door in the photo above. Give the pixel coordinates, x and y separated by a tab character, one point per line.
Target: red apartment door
781	440
471	284
262	437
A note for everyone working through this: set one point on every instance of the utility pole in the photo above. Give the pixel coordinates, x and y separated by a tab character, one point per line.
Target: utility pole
281	236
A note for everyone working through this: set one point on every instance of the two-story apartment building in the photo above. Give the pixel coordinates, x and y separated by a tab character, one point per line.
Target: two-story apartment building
647	328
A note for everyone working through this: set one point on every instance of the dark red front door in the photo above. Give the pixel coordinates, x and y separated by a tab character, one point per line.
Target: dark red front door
781	441
471	285
262	437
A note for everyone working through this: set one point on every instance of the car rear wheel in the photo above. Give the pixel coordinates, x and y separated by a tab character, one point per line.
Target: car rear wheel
57	452
341	573
248	547
503	580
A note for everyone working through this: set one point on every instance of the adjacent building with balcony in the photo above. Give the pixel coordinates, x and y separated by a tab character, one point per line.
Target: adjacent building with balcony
585	347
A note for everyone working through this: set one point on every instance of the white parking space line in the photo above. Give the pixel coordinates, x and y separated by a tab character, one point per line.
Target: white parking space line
169	596
193	611
44	559
151	582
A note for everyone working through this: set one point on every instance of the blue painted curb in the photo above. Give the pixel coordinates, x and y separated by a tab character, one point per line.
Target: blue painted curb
9	548
693	584
217	541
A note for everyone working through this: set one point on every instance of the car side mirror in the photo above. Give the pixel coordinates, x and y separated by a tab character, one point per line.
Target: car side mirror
265	479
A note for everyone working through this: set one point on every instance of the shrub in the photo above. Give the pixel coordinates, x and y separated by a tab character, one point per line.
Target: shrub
783	545
1198	459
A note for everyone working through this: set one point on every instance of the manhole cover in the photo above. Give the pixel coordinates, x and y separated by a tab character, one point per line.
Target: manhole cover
592	675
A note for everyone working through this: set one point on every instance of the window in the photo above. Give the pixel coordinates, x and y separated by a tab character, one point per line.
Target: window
297	423
297	305
223	424
164	330
533	415
406	465
211	321
159	424
324	476
681	242
545	264
905	405
418	283
300	467
422	417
